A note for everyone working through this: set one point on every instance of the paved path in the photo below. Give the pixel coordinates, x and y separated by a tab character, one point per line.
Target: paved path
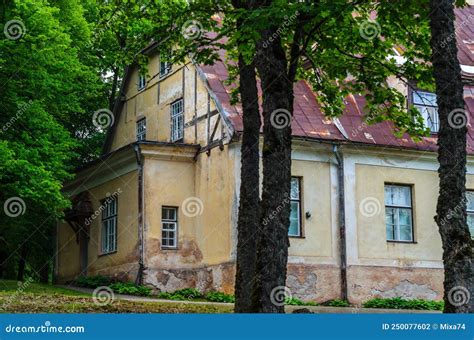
288	309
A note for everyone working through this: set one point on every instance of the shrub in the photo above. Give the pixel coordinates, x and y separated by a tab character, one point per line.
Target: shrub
93	281
220	297
130	288
182	294
297	302
399	303
338	303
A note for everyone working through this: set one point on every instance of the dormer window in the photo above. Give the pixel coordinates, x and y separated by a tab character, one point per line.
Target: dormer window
141	130
165	65
141	82
426	103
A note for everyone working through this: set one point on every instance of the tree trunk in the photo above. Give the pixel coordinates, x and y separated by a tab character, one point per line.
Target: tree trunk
22	263
113	89
247	225
451	208
272	255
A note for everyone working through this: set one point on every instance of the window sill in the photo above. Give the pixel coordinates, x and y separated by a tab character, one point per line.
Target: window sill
164	76
406	242
169	248
294	236
109	253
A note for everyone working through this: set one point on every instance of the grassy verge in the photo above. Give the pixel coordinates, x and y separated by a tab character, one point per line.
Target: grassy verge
41	298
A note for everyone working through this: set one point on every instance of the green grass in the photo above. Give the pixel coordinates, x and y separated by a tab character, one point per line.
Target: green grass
8	287
43	298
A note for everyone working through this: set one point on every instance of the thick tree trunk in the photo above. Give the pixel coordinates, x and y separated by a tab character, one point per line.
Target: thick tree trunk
22	263
451	208
247	225
272	255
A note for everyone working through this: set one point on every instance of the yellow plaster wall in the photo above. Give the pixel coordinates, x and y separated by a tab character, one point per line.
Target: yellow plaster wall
153	103
126	257
371	231
317	238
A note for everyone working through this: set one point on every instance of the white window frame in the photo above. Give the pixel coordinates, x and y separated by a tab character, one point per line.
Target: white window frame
470	213
177	120
169	227
396	227
165	66
298	201
141	81
431	121
109	225
141	130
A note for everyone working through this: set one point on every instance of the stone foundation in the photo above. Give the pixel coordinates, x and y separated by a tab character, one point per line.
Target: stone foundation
367	282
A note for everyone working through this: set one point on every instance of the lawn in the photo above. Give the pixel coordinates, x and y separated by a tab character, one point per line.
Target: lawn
42	298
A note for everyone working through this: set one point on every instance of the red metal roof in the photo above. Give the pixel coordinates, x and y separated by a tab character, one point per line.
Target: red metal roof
310	122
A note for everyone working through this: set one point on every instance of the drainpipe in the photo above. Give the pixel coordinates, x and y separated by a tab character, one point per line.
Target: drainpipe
139	279
342	220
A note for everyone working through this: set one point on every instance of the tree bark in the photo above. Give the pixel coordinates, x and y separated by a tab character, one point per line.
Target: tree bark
272	254
451	207
22	263
247	225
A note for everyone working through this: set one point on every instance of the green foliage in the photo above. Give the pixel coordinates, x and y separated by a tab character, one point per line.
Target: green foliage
399	303
297	302
93	281
130	288
182	294
338	303
220	297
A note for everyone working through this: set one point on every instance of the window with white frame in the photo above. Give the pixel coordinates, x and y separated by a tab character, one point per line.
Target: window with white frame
141	81
426	103
165	64
109	225
398	213
177	121
169	227
470	211
295	212
141	130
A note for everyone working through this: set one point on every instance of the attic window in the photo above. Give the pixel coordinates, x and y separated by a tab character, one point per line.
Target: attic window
165	65
141	82
426	103
141	130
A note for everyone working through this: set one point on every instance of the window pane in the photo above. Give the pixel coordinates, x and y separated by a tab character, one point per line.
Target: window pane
424	98
390	222
405	233
398	195
470	200
470	223
295	188
294	229
404	216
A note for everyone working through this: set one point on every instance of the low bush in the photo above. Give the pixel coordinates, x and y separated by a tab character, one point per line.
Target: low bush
220	297
93	281
130	288
338	303
400	303
297	302
182	294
